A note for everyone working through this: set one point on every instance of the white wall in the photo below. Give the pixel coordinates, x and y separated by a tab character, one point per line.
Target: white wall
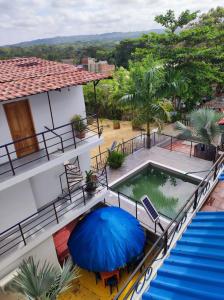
44	251
46	186
64	105
16	204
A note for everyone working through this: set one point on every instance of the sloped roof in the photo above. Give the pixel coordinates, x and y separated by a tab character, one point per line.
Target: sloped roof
20	77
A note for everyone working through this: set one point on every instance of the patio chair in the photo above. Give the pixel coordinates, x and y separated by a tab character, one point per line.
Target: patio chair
112	282
97	276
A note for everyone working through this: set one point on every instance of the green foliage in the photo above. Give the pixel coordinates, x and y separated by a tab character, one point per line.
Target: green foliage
91	181
147	77
78	123
115	159
203	126
43	281
108	94
170	22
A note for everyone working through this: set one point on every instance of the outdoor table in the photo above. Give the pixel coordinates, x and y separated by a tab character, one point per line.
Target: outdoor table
106	275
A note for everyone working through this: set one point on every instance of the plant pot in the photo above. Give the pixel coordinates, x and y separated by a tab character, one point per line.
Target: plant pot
116	125
207	152
80	134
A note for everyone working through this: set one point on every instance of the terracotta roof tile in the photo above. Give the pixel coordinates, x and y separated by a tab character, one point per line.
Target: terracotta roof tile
20	77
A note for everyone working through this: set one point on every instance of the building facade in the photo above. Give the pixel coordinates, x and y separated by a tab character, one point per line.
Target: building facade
42	158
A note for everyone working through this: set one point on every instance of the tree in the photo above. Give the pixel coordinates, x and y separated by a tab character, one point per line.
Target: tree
175	87
43	281
170	22
147	78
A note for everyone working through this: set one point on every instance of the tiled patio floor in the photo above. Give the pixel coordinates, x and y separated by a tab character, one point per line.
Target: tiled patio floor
215	201
181	146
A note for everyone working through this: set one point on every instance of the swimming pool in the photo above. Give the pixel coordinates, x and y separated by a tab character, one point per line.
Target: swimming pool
168	190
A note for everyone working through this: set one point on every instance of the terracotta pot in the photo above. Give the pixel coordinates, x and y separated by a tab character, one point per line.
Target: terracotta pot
80	134
116	125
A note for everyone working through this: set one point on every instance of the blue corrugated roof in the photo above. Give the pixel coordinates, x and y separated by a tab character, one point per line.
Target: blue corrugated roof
194	269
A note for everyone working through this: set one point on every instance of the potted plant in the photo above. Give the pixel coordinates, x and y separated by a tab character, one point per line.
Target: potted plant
205	130
79	126
116	124
91	181
115	159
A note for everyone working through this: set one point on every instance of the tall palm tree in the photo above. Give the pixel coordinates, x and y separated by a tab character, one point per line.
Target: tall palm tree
144	95
42	281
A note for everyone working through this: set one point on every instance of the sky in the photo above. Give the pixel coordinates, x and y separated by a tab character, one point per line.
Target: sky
23	20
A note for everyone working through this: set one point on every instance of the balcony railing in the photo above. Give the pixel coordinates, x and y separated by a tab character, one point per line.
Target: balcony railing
49	142
23	232
133	288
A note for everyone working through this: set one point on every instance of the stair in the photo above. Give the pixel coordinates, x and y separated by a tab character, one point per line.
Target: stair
73	176
194	269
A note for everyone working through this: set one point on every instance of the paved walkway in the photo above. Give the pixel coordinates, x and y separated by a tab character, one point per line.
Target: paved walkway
172	159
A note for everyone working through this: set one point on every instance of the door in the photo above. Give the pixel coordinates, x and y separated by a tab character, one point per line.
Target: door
21	126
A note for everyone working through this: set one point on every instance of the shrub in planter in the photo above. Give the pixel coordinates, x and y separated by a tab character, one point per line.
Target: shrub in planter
207	152
91	181
90	120
136	124
115	159
116	124
79	126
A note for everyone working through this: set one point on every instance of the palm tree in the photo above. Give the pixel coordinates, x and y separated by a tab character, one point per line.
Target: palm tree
144	95
42	281
175	87
203	127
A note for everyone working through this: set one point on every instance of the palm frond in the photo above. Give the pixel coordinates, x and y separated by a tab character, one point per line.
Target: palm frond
186	132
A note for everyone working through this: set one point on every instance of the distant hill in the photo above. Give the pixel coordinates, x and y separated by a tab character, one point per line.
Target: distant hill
104	37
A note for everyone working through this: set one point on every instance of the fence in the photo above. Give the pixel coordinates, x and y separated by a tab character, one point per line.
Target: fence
21	233
44	144
134	287
126	147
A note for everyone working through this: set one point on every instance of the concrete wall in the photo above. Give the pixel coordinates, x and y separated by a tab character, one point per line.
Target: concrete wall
46	186
64	104
44	251
16	202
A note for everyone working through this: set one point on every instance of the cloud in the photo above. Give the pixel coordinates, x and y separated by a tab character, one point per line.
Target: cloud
32	19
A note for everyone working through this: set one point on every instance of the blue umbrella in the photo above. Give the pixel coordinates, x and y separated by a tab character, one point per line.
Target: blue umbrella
106	239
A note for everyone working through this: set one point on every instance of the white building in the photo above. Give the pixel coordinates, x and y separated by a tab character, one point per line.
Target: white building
42	160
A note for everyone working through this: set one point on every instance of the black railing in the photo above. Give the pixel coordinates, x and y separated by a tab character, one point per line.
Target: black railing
21	233
163	243
45	145
126	147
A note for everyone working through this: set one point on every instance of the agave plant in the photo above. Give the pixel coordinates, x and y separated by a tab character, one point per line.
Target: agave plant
203	126
43	281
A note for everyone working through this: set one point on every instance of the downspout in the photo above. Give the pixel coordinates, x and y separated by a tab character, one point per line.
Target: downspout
49	103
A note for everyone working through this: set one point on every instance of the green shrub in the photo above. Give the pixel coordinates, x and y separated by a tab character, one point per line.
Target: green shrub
78	123
137	124
115	159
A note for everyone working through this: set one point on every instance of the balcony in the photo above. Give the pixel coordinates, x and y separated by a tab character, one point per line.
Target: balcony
68	206
49	145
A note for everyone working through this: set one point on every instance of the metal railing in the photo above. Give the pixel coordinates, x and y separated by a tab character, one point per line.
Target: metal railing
46	144
133	287
126	147
21	233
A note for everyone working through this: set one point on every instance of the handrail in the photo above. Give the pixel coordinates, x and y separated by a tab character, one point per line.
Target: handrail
48	144
167	233
57	135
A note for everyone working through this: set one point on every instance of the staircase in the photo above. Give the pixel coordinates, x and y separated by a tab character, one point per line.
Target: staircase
73	177
194	269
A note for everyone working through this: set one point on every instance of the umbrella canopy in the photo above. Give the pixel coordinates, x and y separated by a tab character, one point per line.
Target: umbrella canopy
106	239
